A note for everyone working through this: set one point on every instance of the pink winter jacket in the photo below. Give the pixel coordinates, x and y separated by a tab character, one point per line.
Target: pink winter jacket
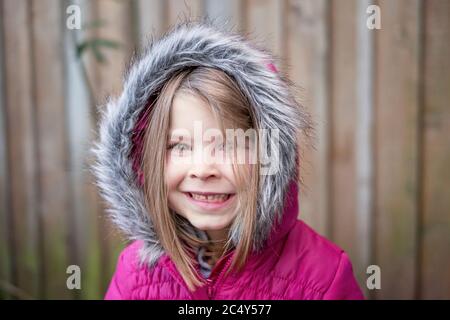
288	260
298	263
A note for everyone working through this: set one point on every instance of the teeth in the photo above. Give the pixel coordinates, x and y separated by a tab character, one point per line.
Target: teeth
212	198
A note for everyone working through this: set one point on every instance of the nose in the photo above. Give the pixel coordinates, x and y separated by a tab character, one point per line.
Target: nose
203	171
203	166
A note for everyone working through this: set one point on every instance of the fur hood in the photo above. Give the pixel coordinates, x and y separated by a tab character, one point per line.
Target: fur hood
195	44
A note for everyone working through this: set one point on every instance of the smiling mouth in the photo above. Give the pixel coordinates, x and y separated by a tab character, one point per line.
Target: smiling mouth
209	198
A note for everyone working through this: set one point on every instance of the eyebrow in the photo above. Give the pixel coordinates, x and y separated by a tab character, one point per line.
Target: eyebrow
173	132
171	137
175	135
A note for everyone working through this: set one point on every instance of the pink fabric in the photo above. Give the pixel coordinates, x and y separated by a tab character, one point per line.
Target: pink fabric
297	263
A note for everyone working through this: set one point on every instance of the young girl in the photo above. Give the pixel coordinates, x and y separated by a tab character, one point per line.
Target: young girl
198	161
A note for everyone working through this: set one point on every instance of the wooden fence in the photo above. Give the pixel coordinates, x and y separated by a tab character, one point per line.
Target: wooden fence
377	181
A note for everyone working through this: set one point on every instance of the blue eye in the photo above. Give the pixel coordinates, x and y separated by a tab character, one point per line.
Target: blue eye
180	147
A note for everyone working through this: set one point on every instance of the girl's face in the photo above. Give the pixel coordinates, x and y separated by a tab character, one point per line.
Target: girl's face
192	168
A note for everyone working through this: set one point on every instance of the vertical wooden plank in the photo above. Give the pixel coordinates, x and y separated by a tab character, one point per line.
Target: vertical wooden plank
50	120
20	130
71	84
86	197
364	138
83	222
265	22
117	16
396	147
5	266
343	108
94	80
307	57
178	10
436	153
152	16
228	13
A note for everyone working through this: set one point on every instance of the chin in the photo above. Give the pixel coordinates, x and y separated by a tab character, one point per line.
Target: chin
209	225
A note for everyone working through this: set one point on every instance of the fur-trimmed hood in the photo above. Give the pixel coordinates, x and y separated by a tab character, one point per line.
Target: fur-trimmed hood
186	45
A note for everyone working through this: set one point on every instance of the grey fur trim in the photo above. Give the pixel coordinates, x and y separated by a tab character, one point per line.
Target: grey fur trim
194	44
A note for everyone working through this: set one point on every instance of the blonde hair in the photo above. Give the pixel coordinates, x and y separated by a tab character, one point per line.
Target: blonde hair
231	109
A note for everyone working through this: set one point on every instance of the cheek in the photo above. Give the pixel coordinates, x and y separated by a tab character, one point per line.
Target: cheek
228	174
170	176
172	180
173	176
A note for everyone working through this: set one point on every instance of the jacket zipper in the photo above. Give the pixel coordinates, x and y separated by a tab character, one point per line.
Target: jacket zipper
209	288
213	285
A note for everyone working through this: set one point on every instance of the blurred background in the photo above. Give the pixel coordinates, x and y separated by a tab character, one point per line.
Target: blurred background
377	181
